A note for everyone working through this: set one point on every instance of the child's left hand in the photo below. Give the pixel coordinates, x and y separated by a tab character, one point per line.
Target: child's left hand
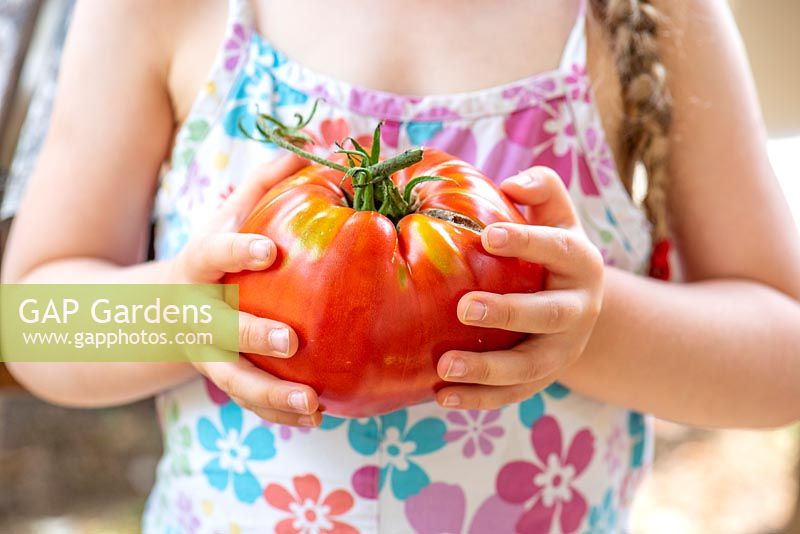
561	317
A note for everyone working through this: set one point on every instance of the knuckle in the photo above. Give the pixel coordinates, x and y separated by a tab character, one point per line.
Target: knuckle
530	372
276	398
553	314
564	243
506	314
483	371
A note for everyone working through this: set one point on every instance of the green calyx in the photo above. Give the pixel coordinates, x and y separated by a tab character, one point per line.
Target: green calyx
371	177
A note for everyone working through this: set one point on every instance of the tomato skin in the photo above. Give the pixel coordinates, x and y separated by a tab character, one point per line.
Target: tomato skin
374	305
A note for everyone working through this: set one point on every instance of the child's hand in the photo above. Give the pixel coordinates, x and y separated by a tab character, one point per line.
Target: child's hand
561	317
219	250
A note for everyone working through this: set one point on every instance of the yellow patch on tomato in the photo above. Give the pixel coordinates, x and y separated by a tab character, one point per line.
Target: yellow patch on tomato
437	246
402	275
391	360
316	225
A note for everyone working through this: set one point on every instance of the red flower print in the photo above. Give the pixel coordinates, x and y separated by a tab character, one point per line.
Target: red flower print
309	514
333	131
547	486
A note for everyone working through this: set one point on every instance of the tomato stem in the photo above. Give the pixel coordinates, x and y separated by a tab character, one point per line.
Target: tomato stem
370	177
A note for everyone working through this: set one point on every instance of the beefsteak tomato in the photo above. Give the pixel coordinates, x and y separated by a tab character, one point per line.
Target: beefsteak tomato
373	298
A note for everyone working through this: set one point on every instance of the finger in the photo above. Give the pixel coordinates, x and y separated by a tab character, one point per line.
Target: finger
565	252
478	397
546	312
260	390
499	368
265	337
544	195
245	197
287	418
207	258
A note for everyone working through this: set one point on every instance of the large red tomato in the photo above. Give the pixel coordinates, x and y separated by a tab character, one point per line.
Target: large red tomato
374	300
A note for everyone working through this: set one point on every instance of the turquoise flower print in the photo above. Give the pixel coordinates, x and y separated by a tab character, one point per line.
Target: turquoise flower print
258	89
362	434
233	450
636	433
532	409
399	447
603	517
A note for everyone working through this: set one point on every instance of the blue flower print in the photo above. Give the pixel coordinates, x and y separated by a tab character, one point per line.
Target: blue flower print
636	431
232	451
603	517
258	89
398	448
532	409
420	132
361	433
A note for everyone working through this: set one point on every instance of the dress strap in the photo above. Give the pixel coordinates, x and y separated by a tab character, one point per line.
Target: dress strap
575	49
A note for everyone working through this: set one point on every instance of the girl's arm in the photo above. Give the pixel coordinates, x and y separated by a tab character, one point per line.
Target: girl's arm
723	349
85	217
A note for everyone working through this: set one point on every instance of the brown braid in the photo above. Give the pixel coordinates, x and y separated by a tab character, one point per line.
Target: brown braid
632	26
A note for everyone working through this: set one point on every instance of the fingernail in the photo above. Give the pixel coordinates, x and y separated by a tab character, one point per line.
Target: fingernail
279	340
497	237
260	249
457	369
523	179
299	401
476	311
452	400
305	420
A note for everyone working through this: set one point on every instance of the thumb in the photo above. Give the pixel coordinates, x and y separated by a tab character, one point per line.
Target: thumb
547	202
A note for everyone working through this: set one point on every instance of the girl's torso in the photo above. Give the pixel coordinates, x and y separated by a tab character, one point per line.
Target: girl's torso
558	462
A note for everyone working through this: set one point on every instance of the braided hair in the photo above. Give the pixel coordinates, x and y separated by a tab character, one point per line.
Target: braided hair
632	27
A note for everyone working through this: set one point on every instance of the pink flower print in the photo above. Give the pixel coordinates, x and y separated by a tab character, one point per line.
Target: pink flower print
377	104
194	185
525	127
561	130
478	429
441	508
226	192
216	395
615	443
548	485
506	159
309	513
235	47
390	133
539	89
365	482
598	153
577	83
460	142
437	508
285	432
186	518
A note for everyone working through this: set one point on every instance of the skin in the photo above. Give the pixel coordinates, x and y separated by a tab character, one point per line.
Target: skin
720	349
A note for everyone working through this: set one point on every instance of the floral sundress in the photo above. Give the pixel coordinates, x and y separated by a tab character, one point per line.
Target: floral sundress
557	462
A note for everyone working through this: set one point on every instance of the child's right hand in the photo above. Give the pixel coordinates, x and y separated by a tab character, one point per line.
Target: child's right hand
220	249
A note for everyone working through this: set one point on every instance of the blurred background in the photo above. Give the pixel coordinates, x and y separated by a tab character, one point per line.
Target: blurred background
65	471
